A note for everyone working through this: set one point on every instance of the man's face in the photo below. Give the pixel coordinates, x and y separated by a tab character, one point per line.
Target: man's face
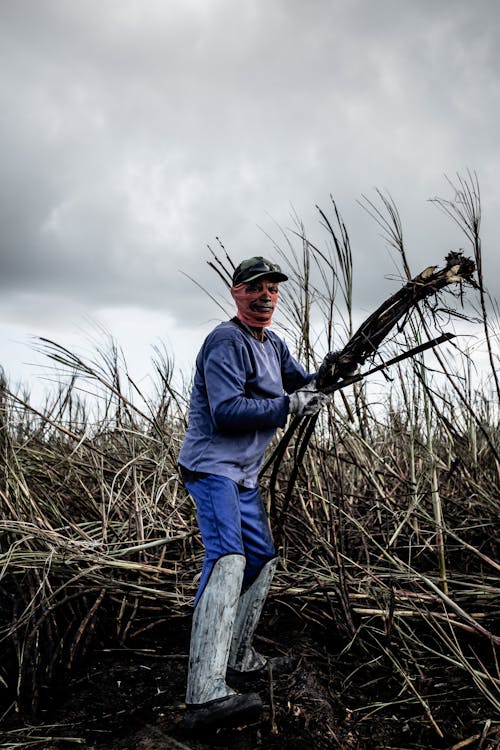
265	295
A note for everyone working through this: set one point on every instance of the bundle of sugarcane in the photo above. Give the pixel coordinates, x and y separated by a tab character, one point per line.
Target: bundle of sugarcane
339	369
375	328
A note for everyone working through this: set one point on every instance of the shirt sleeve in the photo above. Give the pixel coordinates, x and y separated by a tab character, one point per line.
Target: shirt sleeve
294	375
225	364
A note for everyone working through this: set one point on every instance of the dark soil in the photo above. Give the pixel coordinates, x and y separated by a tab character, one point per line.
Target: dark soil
132	699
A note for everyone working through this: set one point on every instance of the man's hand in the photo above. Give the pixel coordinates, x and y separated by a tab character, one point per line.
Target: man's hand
335	367
307	400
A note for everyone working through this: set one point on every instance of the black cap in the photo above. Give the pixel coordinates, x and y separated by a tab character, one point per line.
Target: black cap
256	268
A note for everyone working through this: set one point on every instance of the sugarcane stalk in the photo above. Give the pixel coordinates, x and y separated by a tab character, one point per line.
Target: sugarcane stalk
364	343
430	281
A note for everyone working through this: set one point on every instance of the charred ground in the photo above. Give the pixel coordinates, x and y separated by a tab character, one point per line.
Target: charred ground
131	698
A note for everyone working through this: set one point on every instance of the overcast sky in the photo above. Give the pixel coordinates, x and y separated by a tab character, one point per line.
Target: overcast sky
133	132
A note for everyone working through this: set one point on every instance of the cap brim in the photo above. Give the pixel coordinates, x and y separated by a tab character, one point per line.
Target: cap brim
272	275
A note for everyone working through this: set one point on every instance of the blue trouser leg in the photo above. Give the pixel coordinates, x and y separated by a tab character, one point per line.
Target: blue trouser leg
232	520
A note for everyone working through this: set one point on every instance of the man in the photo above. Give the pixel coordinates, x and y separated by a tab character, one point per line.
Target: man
245	385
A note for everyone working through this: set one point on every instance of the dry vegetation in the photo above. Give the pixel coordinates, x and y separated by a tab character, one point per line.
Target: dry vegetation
389	544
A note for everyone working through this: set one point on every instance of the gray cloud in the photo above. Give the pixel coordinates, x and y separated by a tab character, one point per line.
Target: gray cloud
132	133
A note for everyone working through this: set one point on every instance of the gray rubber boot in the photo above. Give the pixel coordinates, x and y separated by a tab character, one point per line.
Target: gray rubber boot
209	700
243	657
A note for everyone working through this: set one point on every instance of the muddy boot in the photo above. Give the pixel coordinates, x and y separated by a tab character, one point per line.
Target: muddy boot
243	657
210	702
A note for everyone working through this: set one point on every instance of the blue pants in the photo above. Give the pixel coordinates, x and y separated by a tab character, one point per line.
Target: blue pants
232	521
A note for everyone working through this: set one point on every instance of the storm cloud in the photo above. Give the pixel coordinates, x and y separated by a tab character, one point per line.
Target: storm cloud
134	132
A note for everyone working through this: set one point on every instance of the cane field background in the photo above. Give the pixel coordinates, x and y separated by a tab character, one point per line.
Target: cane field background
388	586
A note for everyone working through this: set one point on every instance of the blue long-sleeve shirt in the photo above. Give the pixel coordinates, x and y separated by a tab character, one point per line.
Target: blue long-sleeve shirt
239	399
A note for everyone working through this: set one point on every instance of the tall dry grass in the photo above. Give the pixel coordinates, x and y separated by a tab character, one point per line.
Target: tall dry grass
389	545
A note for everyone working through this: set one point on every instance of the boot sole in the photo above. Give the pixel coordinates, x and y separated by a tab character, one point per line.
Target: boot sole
230	711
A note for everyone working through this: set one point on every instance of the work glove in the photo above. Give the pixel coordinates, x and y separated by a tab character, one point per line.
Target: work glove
336	367
307	400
